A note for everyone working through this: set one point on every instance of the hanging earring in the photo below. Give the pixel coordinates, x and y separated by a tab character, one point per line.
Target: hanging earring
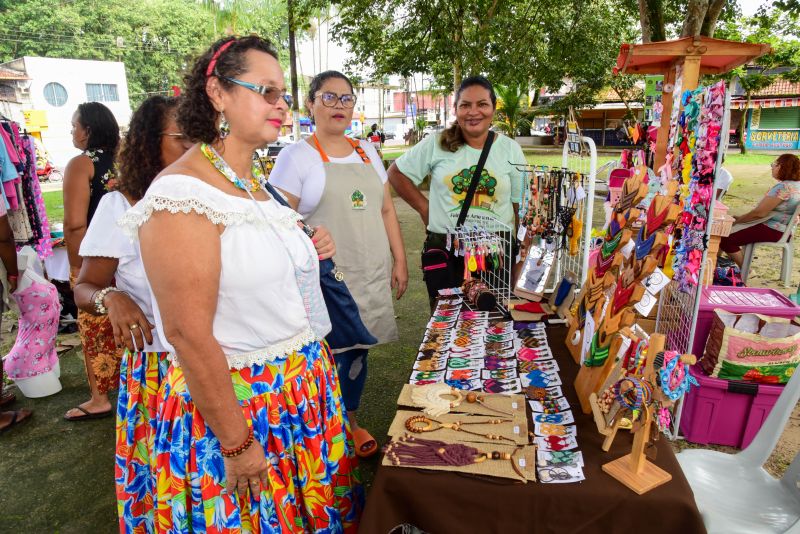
224	127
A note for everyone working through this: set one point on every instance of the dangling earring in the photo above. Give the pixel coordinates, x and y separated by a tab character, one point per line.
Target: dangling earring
224	127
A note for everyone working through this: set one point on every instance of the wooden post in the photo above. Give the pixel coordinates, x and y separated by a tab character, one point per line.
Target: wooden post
663	130
691	73
634	469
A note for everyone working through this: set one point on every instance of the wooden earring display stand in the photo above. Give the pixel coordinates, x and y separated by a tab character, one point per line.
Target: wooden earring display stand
634	469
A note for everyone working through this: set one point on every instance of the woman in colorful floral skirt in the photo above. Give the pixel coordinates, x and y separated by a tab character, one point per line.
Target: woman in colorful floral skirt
250	432
109	256
87	178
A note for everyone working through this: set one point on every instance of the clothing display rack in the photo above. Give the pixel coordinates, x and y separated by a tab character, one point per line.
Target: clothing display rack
22	195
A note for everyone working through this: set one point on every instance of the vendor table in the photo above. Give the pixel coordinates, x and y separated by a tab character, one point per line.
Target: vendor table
447	503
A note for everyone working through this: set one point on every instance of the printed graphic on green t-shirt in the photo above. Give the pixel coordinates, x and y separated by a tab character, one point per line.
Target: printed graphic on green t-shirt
499	187
484	198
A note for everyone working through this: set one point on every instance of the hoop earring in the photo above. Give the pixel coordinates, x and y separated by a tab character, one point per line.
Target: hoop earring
224	127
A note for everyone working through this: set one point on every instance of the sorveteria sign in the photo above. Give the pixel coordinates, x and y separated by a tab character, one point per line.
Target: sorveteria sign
774	139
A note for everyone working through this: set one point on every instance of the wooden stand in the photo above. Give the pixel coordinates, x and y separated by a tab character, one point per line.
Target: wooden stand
634	469
590	379
696	56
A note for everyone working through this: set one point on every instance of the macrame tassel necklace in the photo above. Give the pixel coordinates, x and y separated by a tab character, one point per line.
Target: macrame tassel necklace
411	451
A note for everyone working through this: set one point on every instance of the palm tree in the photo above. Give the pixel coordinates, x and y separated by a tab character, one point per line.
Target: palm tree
511	101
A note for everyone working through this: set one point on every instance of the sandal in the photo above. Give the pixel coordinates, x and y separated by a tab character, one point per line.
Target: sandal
17	416
7	398
88	415
366	445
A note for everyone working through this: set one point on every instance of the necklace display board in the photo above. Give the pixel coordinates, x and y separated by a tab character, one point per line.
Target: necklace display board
436	499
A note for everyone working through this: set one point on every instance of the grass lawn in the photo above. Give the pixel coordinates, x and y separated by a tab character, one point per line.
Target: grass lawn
54	201
62	473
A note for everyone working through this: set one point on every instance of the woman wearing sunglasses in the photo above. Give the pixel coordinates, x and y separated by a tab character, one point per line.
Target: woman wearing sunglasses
250	434
341	183
772	216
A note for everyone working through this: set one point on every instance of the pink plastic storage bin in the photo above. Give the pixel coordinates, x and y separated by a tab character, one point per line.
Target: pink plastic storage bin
738	300
726	412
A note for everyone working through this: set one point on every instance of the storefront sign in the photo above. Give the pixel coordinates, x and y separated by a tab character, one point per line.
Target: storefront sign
773	139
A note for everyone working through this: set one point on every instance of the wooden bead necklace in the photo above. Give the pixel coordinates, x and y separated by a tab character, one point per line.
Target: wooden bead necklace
421	423
431	399
411	451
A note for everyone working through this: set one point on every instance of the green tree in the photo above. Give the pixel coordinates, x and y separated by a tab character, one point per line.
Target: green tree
664	19
512	101
536	42
778	25
156	39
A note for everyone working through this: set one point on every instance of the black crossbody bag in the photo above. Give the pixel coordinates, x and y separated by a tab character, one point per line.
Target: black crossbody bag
439	265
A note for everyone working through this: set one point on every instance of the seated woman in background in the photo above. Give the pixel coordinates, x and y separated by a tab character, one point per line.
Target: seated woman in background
769	219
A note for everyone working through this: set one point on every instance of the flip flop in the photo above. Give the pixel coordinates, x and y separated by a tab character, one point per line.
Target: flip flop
366	445
89	415
7	398
17	416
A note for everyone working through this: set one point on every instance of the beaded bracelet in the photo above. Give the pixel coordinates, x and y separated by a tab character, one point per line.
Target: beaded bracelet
99	296
642	393
232	453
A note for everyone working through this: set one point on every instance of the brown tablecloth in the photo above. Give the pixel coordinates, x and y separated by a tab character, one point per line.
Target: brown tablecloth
448	503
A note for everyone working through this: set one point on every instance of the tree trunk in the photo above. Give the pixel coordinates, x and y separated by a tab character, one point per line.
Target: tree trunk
293	71
712	16
651	17
457	75
695	15
458	62
743	124
644	21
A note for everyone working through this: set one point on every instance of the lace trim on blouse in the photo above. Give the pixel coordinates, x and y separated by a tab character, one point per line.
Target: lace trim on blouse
137	216
279	351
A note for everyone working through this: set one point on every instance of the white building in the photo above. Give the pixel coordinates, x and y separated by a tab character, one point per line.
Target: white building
42	93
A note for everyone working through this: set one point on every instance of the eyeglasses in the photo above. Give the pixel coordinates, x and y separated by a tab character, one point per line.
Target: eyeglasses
329	99
175	135
270	94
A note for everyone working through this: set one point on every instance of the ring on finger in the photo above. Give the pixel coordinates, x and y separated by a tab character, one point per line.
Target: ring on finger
134	326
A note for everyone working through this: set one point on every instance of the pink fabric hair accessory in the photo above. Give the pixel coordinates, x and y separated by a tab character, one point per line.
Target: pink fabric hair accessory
213	63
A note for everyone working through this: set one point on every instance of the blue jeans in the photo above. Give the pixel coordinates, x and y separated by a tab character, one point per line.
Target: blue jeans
351	366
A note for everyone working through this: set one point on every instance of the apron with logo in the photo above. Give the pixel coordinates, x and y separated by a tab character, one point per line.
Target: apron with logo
350	208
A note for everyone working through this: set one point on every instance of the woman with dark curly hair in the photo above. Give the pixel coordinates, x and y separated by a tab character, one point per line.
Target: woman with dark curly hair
87	178
250	431
109	257
768	221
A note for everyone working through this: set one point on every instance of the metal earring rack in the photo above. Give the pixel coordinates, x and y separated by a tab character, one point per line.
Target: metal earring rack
483	229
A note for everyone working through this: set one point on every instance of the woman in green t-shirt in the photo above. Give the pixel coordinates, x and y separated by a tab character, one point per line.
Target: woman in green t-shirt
450	159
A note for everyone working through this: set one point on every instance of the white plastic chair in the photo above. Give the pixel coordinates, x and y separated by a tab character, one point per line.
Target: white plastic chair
733	491
787	253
